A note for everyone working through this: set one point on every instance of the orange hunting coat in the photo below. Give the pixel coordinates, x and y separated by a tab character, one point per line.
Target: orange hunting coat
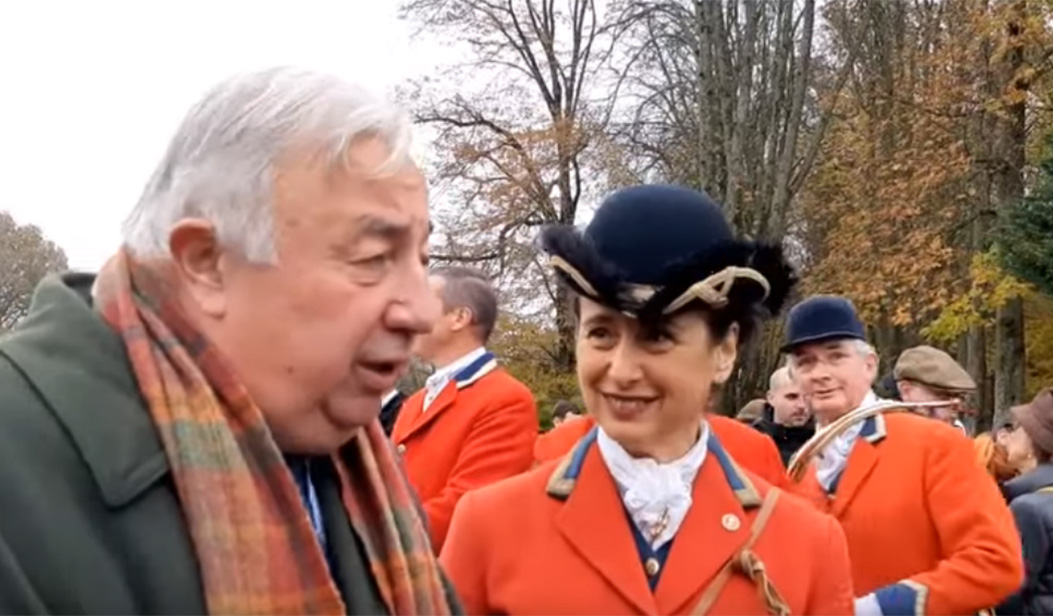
754	450
480	429
927	529
557	540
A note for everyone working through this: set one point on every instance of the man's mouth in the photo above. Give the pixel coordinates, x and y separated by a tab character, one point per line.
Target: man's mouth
381	375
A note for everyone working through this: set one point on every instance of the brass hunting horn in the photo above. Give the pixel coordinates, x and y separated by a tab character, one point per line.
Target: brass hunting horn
823	436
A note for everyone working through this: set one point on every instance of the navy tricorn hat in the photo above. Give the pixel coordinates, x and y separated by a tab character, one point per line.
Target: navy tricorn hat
651	250
820	318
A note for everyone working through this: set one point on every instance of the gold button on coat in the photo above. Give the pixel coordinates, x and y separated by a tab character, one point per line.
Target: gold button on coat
730	521
401	448
651	566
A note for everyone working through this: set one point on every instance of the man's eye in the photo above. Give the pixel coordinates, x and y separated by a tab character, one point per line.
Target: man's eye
373	263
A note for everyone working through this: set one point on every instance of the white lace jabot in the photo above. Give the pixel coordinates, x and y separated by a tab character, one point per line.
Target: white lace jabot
657	496
831	461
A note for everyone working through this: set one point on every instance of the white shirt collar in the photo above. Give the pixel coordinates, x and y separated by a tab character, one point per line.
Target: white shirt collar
657	496
388	397
438	381
833	458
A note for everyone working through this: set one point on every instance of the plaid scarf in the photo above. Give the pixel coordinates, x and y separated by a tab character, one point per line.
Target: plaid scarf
250	530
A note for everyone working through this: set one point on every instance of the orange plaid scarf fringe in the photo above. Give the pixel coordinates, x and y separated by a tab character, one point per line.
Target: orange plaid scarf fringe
250	530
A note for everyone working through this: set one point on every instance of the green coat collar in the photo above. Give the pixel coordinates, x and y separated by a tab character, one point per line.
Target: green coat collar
78	366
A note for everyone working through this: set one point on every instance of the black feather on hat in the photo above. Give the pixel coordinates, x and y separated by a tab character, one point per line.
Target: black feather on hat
652	250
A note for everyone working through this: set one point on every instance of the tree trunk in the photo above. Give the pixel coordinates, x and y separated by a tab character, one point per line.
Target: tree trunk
565	345
1009	337
1011	141
801	77
976	365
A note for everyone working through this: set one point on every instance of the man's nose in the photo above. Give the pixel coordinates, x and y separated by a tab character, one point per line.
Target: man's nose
819	373
417	307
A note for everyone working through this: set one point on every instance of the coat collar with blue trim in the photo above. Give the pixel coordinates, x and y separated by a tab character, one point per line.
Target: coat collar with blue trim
483	365
564	478
417	417
589	521
874	430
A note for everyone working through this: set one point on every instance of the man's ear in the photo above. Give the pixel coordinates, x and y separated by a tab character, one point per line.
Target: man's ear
199	261
871	362
725	353
462	318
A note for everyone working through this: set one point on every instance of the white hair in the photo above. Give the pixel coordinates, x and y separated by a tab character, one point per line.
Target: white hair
864	348
221	164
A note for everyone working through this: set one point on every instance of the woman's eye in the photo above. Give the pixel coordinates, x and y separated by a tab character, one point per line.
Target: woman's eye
598	333
658	337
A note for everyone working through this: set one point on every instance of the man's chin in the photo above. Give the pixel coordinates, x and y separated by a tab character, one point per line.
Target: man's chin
319	441
351	413
829	410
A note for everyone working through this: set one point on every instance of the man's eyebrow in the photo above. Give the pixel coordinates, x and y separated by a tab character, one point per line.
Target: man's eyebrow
368	225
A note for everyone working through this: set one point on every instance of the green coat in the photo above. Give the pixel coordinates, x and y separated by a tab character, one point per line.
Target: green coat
89	517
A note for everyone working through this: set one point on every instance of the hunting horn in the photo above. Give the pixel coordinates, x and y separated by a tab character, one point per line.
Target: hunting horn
800	460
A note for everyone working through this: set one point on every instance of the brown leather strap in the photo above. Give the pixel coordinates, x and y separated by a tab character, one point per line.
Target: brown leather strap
712	592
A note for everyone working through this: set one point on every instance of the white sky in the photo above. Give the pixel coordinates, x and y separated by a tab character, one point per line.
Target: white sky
93	91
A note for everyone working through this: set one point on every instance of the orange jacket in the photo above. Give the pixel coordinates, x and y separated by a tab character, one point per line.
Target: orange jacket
752	449
927	529
480	429
557	540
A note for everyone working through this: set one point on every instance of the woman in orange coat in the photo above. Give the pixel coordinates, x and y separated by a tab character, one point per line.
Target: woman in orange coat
649	514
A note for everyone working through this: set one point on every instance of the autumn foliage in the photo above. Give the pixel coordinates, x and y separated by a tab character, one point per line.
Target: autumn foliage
881	142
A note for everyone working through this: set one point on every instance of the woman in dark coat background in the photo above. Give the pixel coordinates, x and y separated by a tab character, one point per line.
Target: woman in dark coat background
1030	496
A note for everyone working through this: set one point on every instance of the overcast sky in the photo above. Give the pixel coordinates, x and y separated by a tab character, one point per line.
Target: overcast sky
93	91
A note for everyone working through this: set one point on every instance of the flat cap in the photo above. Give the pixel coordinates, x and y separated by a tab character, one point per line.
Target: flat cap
1036	418
930	366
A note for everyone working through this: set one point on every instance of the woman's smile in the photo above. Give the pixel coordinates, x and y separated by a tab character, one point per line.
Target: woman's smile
626	408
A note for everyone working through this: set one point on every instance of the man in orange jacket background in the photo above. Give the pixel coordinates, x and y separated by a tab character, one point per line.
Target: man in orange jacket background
473	423
928	531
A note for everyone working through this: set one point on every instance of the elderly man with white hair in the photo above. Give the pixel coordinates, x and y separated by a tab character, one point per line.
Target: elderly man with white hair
194	430
927	529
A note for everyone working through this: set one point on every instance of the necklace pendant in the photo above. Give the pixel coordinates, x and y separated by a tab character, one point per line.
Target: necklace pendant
658	528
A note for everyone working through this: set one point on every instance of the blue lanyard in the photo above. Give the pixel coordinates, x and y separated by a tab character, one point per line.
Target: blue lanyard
301	471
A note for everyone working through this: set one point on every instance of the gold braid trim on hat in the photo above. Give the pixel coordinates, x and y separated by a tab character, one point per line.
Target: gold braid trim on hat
561	264
800	460
713	290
